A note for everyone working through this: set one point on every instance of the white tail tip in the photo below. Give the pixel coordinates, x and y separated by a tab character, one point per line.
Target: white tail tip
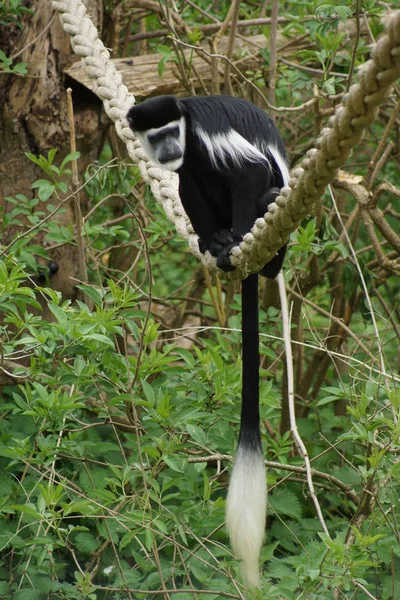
246	507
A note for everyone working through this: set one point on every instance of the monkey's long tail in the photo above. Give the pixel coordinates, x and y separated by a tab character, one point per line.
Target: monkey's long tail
247	496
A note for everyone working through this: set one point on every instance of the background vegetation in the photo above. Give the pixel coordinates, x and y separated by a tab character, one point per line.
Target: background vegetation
120	358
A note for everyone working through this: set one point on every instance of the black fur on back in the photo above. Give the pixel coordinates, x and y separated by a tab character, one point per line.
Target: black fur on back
154	113
222	113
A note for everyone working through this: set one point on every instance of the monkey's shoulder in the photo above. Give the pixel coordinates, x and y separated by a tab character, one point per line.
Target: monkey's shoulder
223	113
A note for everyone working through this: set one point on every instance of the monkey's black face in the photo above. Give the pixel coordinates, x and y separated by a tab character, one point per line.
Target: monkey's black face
164	146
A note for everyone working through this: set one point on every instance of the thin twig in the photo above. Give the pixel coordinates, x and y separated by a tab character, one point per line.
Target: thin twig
35	39
53	212
365	288
82	269
272	52
336	320
357	39
302	450
382	143
213	297
209	28
366	592
282	109
231	44
271	464
381	161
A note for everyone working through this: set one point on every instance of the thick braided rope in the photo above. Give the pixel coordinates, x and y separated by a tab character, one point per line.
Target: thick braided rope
117	101
332	149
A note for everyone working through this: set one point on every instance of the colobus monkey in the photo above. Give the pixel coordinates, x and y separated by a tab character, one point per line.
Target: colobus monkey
231	164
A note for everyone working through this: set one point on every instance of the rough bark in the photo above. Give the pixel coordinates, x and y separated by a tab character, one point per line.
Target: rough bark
33	115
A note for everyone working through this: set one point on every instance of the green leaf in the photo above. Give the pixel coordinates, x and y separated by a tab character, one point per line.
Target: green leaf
26	594
86	542
285	503
27	509
59	314
21	68
149	393
69	158
4	586
45	189
99	337
197	434
176	463
51	154
92	292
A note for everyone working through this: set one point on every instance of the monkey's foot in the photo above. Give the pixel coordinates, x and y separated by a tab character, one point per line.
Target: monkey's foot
220	246
216	243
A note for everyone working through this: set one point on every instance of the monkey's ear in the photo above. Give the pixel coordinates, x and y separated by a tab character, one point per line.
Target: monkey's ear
130	120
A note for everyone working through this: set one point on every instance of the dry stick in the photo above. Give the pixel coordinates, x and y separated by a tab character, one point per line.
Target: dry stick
125	45
218	286
182	63
302	450
231	44
215	84
271	464
367	296
368	223
393	581
203	12
213	298
158	8
263	10
282	109
366	592
82	270
153	593
379	149
354	215
317	72
49	24
209	28
344	357
357	39
388	311
218	23
336	320
272	53
381	161
225	24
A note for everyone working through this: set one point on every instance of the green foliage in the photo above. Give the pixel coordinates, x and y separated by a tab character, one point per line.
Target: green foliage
82	485
47	187
167	55
6	65
11	12
36	211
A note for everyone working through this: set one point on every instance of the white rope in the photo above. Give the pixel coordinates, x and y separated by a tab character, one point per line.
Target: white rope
307	182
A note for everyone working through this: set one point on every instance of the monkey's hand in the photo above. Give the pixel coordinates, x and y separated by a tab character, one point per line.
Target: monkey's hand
220	246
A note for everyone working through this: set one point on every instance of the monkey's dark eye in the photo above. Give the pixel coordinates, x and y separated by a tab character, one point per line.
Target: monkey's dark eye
156	137
159	136
174	132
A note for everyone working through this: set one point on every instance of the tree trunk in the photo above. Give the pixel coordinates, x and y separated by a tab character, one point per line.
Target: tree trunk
33	116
